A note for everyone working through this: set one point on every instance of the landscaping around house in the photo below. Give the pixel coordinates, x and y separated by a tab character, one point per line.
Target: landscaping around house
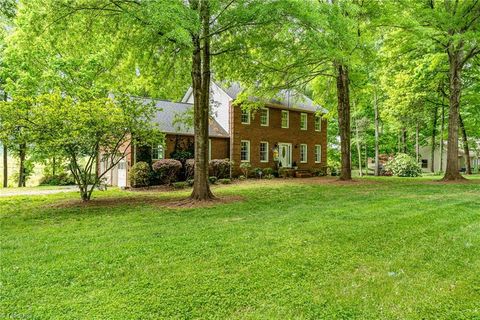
377	248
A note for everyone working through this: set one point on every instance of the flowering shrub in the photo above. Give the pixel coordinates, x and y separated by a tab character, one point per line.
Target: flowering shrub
245	167
167	169
220	168
403	165
189	168
140	174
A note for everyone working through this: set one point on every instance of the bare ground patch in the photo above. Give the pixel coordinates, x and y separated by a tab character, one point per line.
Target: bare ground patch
172	203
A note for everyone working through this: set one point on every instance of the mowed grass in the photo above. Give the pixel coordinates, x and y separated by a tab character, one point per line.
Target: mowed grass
382	248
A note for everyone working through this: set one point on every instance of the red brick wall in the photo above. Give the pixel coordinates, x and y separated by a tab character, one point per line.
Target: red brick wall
220	146
273	134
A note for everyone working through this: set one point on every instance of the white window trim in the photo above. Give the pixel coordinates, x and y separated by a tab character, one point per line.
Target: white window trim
266	142
319	146
248	150
163	152
306	121
288	119
249	116
268	118
305	153
320	119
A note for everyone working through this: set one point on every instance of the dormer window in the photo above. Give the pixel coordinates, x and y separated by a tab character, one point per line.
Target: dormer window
303	121
245	117
285	119
264	115
318	123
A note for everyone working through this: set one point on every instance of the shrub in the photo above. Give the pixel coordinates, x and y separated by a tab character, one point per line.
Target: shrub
258	172
189	168
212	179
241	177
319	172
224	181
190	182
245	167
404	165
180	185
269	176
220	168
268	171
167	169
62	179
140	175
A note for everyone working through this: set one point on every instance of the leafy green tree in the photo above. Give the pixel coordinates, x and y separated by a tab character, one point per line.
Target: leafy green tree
161	40
83	129
452	28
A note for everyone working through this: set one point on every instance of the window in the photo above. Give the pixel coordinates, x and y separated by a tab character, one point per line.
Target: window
303	153
318	153
264	117
245	151
245	116
318	123
424	163
157	152
263	151
284	119
303	121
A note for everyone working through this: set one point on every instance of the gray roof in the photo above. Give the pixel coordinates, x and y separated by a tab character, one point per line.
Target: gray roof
170	114
290	99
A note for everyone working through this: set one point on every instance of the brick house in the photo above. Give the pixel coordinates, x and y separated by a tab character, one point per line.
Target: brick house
287	132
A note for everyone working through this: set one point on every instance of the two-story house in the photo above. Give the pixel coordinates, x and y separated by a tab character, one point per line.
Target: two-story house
287	132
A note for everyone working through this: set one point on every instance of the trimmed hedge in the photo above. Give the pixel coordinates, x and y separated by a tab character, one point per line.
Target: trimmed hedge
167	170
140	175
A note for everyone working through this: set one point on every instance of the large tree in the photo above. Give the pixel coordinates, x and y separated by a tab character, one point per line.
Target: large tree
162	40
453	28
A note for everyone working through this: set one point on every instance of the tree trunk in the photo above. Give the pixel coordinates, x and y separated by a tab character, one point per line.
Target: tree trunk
442	129
21	169
417	143
343	95
434	138
201	90
377	135
466	149
359	150
5	166
455	62
366	159
404	140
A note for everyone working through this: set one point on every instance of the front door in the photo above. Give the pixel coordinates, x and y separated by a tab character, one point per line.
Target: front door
122	174
285	155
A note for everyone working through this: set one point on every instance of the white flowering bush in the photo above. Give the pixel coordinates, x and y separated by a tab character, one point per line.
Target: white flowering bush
404	165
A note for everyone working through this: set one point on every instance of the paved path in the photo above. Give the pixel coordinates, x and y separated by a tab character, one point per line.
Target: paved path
35	192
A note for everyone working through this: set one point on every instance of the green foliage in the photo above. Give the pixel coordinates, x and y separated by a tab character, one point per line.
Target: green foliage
245	168
220	168
62	179
257	172
212	179
167	169
180	184
140	174
189	168
403	165
224	181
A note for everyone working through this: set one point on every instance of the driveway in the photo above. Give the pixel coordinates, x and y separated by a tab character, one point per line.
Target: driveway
36	191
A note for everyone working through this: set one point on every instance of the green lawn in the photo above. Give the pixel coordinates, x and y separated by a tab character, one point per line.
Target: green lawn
384	248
